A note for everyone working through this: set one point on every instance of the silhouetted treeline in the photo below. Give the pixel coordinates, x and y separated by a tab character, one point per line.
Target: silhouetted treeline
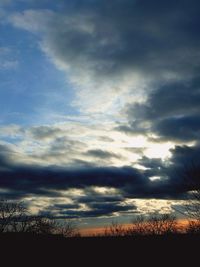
14	218
155	224
42	241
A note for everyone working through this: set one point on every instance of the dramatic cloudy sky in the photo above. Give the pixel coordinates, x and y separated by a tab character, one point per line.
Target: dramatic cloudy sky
99	105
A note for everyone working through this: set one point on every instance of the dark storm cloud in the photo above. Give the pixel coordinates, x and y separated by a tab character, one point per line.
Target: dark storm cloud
185	128
171	112
97	210
64	206
158	189
97	198
178	175
97	204
24	179
138	35
93	197
186	166
33	178
82	163
98	153
154	167
184	155
171	99
5	157
111	207
20	181
152	163
132	129
113	37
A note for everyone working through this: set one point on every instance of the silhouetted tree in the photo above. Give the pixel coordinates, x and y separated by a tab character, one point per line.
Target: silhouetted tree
139	226
161	224
155	224
14	217
193	227
191	175
115	229
10	214
68	229
191	178
44	226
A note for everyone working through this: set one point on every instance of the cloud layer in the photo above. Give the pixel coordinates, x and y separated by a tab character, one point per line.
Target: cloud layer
171	112
112	48
133	67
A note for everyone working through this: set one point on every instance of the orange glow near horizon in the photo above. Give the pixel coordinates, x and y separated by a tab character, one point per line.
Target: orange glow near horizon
182	223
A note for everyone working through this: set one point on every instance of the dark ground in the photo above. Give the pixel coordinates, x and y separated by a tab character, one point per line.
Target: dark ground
38	250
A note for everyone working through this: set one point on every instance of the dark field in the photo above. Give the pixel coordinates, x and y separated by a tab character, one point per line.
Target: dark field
126	251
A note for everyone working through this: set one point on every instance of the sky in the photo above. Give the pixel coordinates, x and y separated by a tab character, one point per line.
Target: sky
99	106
